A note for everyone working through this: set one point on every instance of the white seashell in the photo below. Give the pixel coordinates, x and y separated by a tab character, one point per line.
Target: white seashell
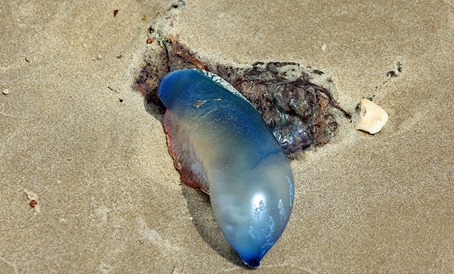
372	118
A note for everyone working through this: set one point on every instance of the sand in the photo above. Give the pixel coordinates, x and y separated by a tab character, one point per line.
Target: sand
76	138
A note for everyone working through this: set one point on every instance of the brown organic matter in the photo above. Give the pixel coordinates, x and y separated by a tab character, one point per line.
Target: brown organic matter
300	112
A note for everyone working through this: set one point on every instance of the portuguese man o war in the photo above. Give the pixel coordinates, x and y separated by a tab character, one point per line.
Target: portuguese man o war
221	144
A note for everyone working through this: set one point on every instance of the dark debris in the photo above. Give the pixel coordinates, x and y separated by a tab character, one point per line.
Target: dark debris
300	112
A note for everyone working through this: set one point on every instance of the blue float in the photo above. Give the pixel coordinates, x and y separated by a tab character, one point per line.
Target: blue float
221	144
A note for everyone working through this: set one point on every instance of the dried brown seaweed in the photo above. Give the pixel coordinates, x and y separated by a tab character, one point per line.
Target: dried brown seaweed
299	111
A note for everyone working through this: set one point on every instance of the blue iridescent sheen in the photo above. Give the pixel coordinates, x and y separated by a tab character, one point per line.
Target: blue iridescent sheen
221	144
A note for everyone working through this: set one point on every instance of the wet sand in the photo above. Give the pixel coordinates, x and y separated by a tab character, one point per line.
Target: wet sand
77	139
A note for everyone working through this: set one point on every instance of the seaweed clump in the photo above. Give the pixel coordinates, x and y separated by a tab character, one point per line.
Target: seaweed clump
299	111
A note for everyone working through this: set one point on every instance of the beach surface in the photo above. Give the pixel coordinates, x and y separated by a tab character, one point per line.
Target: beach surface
87	184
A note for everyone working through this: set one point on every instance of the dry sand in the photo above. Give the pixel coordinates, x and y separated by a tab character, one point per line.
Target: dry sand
75	136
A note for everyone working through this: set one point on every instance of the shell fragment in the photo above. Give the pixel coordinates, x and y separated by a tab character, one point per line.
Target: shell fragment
372	118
